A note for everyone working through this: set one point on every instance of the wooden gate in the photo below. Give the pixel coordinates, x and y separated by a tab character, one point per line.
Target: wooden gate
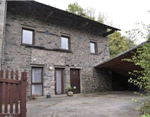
13	94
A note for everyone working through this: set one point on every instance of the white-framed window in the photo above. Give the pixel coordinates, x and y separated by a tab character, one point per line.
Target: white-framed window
37	81
27	36
65	43
93	47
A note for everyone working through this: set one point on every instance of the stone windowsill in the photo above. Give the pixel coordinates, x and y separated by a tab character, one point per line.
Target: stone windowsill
93	53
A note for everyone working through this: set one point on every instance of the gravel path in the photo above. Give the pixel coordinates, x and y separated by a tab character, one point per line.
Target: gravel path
89	105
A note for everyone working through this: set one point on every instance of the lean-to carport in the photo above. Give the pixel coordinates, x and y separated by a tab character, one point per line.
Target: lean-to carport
120	70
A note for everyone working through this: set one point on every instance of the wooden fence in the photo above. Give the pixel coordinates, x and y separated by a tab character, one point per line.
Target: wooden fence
13	94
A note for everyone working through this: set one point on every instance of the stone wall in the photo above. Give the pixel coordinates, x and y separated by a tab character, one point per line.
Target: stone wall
2	25
23	57
105	79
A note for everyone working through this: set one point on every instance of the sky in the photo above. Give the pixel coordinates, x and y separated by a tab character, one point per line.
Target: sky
122	14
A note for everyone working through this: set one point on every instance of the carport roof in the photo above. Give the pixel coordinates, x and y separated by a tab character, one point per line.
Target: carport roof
117	65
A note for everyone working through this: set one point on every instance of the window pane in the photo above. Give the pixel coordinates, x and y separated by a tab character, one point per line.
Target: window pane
37	89
64	43
92	47
36	75
27	36
58	82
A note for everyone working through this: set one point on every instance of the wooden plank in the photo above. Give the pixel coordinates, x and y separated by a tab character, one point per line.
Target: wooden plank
6	97
14	93
10	81
84	24
16	107
14	97
7	73
1	73
17	88
51	12
23	94
16	75
3	92
16	102
12	74
18	97
11	99
13	114
1	97
6	91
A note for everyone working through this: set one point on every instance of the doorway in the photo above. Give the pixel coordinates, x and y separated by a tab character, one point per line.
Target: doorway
59	79
75	80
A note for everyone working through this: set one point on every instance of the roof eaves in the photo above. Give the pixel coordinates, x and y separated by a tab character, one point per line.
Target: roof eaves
73	15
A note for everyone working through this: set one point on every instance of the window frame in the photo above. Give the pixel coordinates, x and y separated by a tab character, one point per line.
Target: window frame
95	46
33	36
38	83
69	42
62	79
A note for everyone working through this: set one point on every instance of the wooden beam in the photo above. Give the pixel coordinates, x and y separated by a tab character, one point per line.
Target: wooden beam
12	114
23	108
51	12
10	81
84	24
52	33
108	33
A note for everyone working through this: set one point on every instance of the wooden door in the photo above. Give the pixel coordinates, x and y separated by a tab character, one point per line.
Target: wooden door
59	81
75	80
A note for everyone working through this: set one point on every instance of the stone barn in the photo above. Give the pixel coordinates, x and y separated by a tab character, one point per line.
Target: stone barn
56	48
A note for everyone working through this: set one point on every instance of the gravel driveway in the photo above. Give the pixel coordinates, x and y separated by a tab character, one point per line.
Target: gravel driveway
114	104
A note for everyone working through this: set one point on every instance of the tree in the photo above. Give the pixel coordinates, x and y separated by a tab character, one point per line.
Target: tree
141	58
101	18
78	10
75	8
117	43
90	13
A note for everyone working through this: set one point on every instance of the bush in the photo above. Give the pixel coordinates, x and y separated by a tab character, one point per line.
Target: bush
141	58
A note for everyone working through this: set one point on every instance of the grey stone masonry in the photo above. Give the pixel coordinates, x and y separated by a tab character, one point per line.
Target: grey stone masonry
46	52
2	26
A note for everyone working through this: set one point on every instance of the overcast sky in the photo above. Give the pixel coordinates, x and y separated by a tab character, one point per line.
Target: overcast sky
122	13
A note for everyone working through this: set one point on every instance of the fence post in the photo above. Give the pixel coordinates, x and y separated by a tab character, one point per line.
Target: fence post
23	94
7	87
1	91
